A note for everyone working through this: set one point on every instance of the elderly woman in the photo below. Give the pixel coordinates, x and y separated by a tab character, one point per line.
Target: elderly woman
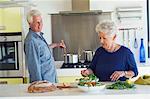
112	61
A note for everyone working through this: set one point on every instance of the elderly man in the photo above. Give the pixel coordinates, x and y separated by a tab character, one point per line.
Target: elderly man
38	54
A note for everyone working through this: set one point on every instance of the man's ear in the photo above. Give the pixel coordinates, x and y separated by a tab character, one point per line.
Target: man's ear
29	24
114	37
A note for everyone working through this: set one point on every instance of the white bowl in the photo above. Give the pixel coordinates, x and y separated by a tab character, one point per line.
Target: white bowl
92	88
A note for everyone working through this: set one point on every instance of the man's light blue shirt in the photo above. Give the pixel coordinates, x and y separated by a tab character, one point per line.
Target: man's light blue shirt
39	58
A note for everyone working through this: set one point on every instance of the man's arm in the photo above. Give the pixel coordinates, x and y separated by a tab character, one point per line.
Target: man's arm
33	62
61	45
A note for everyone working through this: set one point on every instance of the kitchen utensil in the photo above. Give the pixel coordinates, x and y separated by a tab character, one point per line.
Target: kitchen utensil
123	34
64	52
135	40
68	58
74	58
128	32
71	58
79	54
88	54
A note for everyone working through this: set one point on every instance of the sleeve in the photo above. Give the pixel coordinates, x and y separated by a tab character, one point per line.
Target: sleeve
94	61
33	62
131	63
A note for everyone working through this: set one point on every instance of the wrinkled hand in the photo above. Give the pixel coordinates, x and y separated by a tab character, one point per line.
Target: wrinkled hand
116	75
86	72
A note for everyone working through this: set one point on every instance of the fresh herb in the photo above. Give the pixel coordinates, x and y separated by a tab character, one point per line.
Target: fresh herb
120	85
90	80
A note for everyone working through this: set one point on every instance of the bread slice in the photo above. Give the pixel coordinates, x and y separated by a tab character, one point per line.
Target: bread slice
41	86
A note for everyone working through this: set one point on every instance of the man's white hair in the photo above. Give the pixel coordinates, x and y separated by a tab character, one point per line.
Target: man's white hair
106	26
31	14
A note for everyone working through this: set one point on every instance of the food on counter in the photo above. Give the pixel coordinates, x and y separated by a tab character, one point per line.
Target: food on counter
66	85
121	85
89	81
146	76
143	80
41	86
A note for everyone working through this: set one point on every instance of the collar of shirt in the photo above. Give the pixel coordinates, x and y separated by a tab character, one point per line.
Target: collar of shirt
36	34
39	33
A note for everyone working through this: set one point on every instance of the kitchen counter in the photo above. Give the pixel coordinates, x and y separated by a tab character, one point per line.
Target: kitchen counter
20	91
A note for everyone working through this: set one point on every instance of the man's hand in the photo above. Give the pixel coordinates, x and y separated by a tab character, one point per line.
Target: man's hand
61	45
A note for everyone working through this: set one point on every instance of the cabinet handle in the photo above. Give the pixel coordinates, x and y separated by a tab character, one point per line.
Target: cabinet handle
5	38
16	58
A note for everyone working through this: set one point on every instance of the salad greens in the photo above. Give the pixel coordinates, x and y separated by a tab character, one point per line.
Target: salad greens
120	85
90	80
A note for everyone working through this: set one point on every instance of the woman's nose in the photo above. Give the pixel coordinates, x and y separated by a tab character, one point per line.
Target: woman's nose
101	40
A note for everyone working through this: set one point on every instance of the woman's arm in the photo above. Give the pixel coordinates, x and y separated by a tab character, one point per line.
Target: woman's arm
132	66
86	72
129	74
117	74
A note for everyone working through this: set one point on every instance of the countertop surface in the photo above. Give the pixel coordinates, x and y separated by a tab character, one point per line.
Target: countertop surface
21	91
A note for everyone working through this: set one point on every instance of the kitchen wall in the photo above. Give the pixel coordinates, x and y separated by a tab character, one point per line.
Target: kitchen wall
54	6
111	5
77	31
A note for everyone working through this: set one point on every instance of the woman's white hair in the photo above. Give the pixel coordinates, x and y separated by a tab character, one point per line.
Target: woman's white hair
31	14
106	26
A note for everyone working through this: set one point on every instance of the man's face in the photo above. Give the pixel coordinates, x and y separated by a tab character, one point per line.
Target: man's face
37	24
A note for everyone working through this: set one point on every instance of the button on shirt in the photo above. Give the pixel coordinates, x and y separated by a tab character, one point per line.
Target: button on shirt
39	58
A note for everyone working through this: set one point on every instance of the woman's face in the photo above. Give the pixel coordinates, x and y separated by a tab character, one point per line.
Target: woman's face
106	40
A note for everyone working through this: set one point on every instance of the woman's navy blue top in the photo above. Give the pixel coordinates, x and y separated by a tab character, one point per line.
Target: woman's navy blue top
104	63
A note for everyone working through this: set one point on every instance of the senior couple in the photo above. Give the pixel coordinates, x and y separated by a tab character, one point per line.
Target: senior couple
111	61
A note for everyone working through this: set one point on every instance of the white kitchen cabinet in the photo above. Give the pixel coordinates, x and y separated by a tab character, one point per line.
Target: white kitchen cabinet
10	19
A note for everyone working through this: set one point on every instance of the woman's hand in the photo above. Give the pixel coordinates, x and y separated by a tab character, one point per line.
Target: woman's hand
116	75
86	72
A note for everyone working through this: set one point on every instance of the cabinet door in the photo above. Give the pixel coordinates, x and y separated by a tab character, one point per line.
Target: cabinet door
1	19
12	19
0	16
11	80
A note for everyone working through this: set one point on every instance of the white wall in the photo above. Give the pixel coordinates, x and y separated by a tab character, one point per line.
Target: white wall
111	5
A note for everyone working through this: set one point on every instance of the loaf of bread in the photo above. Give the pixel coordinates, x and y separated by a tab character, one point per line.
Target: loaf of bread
41	86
